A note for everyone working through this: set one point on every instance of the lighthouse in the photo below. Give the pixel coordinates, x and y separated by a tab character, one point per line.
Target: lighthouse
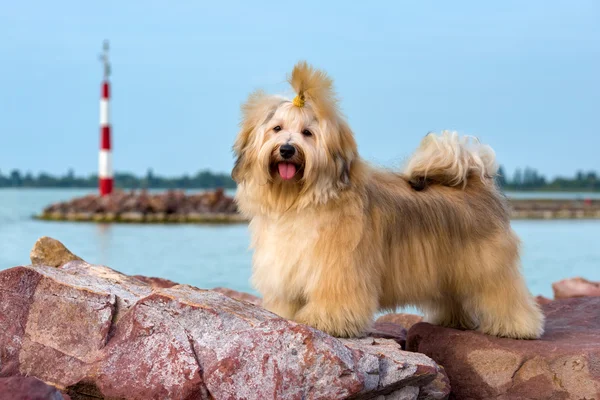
105	170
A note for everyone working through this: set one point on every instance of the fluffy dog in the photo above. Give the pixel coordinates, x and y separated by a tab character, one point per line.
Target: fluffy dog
335	240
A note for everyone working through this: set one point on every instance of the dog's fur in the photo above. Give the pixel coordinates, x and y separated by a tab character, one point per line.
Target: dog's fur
342	240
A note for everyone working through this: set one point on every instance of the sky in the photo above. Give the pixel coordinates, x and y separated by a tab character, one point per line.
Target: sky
523	76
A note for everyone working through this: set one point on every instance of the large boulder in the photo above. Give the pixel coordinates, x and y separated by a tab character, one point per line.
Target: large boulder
563	364
97	333
575	287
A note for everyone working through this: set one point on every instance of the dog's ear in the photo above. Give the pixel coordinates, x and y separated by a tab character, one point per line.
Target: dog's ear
239	149
237	168
343	166
346	155
258	109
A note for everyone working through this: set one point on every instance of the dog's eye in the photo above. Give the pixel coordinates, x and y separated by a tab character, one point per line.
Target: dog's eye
306	132
277	128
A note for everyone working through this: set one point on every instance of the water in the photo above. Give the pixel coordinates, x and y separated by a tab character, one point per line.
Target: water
554	195
210	256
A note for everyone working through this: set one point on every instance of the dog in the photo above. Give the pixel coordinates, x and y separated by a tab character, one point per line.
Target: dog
336	240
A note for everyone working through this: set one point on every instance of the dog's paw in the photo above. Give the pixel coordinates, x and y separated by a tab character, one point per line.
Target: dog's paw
334	323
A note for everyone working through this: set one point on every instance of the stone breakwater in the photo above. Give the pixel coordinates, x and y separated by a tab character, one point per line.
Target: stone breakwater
216	207
555	208
173	206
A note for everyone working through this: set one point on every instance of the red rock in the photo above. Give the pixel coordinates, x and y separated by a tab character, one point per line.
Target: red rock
103	334
380	329
575	287
542	300
404	320
389	330
234	294
130	203
155	282
28	388
563	364
157	204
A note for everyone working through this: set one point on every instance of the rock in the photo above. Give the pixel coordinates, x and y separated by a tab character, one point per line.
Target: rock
50	252
101	334
389	330
155	282
410	377
575	287
542	300
379	330
563	364
132	216
404	320
28	388
234	294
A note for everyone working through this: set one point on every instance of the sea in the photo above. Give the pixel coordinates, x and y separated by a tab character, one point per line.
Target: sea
212	256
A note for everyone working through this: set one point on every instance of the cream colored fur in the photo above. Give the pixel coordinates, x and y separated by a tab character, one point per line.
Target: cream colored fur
342	240
454	158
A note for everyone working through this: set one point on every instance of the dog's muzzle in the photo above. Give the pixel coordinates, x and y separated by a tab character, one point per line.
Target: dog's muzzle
287	151
287	162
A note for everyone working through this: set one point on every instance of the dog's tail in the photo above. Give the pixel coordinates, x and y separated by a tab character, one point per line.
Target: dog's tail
450	160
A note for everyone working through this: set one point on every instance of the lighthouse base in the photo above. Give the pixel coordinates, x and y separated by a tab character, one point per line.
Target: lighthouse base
105	186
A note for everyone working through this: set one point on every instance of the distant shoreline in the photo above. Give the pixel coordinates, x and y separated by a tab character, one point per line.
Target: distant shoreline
523	180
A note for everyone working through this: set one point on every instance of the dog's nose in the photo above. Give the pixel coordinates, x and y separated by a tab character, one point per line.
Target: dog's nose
287	151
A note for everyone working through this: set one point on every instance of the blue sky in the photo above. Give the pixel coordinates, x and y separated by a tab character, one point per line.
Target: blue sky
524	76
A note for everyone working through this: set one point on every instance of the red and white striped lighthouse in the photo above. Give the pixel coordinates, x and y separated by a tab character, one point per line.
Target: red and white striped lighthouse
105	170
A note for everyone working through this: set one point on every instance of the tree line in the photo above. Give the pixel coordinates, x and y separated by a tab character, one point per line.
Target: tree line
201	180
529	179
522	180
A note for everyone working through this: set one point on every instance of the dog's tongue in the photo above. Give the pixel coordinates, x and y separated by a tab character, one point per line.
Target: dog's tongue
286	170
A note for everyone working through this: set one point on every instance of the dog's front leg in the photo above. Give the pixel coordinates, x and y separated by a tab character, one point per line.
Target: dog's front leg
340	302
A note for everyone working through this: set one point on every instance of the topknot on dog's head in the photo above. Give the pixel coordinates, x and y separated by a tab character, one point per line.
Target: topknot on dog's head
313	86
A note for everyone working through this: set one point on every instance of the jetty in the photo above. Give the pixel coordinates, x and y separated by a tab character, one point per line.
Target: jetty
585	208
172	206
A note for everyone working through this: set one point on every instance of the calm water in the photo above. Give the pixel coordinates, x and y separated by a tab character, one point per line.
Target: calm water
209	256
554	195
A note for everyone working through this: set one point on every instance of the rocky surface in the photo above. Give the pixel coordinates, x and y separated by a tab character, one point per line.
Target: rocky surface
575	287
96	333
564	364
402	319
155	282
388	330
542	300
169	206
234	294
28	388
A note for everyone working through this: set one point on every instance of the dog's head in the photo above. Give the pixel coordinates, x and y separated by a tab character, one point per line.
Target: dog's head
300	149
